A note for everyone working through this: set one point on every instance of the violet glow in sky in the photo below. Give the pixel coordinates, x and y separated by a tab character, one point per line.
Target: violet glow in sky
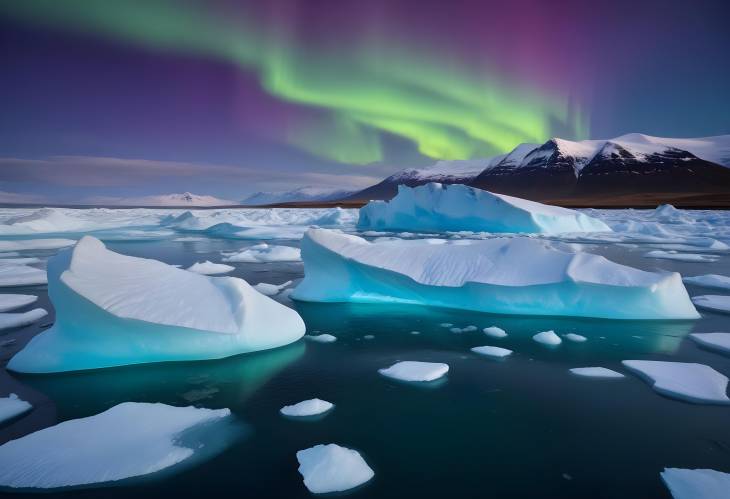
137	97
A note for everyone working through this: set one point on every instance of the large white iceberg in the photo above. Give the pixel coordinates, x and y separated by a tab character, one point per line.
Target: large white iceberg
696	484
332	468
113	310
502	275
436	207
126	441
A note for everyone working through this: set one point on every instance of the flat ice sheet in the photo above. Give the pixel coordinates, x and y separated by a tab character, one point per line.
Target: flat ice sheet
696	383
414	371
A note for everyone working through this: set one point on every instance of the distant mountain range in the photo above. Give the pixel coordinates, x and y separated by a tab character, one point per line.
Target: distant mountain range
176	200
631	169
302	194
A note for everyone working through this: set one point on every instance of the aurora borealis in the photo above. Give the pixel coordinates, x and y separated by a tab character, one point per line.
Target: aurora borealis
330	86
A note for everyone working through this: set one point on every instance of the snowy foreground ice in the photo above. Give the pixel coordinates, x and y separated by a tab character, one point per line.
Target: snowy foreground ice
696	484
437	207
332	468
108	447
113	310
501	275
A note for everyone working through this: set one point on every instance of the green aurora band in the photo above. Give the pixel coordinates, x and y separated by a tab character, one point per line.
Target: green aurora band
359	89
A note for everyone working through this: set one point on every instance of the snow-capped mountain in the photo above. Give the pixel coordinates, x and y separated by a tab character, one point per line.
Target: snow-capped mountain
632	164
184	199
308	193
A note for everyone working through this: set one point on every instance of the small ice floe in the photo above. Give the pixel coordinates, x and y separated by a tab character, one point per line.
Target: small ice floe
716	303
709	281
189	239
321	338
410	370
20	261
306	408
13	301
107	447
715	341
415	332
696	484
548	338
35	244
468	329
489	351
9	319
21	275
209	268
456	330
332	468
446	324
681	257
495	332
575	337
270	289
690	382
369	337
265	253
596	372
11	406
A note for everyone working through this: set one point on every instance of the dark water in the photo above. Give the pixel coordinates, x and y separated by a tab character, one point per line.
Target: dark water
522	427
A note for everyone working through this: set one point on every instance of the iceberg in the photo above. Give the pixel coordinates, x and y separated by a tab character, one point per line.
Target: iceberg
332	468
489	351
414	371
696	484
709	281
12	406
114	310
19	319
714	341
107	447
209	268
306	408
716	303
13	301
548	338
494	332
265	253
21	275
596	372
436	207
696	383
519	275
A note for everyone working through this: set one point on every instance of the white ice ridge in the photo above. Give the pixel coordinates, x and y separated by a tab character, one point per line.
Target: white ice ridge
312	407
265	253
696	484
709	281
696	383
436	207
20	319
209	268
12	406
13	301
716	303
114	310
502	275
410	370
332	468
104	448
596	372
715	341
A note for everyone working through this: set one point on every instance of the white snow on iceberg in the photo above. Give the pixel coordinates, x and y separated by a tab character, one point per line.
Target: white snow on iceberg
414	371
265	253
12	406
436	207
501	275
714	341
690	382
13	301
113	310
696	484
209	268
709	281
306	408
20	319
716	303
105	448
332	468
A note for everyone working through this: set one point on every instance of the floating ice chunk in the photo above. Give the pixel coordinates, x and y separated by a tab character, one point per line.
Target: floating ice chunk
107	447
717	303
11	406
369	337
495	332
490	351
13	301
435	207
35	244
19	319
715	341
681	257
547	338
575	337
21	275
265	253
321	338
415	332
709	281
456	330
331	468
501	275
210	268
446	324
270	289
20	261
696	484
596	372
409	370
137	310
468	329
306	408
695	383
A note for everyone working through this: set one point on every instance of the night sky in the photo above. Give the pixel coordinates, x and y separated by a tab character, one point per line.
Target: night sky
127	98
